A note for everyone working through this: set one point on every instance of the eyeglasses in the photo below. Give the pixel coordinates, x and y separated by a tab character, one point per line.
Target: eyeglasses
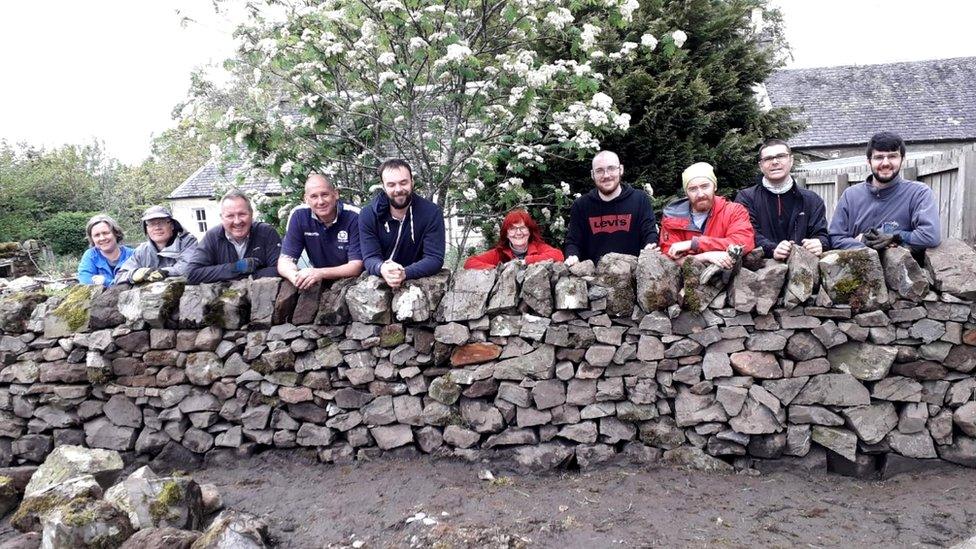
781	157
609	170
891	157
518	229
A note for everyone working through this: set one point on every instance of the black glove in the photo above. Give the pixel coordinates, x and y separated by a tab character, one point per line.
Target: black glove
247	265
879	241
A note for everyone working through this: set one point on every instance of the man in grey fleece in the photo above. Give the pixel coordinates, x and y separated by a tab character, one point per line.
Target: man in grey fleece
886	209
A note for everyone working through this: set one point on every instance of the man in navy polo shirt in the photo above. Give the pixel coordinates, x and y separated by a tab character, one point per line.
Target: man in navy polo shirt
328	231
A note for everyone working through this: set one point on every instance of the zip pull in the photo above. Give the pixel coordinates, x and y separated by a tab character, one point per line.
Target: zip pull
387	225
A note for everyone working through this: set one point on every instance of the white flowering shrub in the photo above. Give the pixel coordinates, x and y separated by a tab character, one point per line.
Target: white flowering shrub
457	88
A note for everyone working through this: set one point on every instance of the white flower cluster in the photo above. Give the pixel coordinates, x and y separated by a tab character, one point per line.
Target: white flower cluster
456	53
648	41
469	194
588	36
386	58
679	38
559	18
389	5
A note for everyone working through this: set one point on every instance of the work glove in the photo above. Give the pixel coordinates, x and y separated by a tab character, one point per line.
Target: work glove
155	275
139	276
246	266
879	241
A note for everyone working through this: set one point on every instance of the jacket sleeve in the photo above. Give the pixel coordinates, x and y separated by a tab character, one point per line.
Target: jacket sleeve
817	217
86	267
648	223
487	260
201	267
124	274
434	244
746	200
926	227
574	235
369	242
270	251
738	230
666	237
840	226
182	265
545	252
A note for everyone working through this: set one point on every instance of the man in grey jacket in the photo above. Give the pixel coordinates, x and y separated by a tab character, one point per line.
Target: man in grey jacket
166	253
886	209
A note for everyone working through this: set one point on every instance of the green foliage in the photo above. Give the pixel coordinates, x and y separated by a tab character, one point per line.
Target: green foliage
64	232
694	103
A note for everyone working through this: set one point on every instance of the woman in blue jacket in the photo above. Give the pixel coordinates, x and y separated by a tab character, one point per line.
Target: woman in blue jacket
100	262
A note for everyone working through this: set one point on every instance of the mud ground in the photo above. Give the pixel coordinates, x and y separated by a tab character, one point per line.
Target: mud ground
426	502
368	504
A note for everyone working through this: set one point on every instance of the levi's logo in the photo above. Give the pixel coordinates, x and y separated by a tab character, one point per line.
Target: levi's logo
610	223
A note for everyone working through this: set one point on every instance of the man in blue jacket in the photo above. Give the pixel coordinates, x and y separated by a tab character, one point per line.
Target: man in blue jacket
327	230
401	235
783	214
613	217
237	248
886	209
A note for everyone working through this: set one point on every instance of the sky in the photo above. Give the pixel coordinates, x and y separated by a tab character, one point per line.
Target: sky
113	70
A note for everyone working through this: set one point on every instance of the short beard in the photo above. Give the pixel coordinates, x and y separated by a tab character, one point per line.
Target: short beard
884	180
406	202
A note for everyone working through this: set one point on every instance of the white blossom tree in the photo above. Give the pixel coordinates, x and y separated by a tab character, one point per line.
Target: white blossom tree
457	87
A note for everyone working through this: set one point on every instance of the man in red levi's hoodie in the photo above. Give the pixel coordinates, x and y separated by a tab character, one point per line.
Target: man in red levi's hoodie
703	225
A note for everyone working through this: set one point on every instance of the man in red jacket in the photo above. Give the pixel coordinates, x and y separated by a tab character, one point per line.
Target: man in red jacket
703	225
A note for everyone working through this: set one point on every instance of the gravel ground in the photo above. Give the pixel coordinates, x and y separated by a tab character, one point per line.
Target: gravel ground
308	504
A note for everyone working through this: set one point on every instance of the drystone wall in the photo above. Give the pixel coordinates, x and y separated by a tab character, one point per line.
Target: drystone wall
849	358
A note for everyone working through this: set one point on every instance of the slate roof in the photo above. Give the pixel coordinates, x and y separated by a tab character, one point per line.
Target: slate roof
205	181
923	101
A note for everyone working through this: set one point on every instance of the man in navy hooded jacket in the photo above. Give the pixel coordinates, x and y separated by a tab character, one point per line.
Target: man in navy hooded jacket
783	214
401	235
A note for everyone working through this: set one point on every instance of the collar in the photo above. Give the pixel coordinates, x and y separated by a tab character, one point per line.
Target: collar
328	223
778	189
885	190
235	242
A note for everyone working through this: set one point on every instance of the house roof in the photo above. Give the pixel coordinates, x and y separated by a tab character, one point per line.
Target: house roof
214	177
923	101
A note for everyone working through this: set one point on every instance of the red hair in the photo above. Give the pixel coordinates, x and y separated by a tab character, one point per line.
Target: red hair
513	217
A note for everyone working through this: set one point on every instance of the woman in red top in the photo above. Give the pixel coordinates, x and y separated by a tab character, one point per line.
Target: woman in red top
520	238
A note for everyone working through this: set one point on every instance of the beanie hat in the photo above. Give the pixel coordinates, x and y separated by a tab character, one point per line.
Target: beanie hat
698	169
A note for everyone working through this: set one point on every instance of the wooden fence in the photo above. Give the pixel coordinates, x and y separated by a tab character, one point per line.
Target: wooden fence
951	175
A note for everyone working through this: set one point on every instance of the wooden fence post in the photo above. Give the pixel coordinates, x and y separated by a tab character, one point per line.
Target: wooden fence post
801	182
910	173
841	184
966	179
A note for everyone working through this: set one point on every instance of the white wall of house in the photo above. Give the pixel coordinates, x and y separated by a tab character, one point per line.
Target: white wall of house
196	214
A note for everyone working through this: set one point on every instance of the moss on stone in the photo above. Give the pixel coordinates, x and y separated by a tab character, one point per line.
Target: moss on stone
74	310
171	297
854	289
692	301
262	366
161	508
26	517
97	376
230	293
78	512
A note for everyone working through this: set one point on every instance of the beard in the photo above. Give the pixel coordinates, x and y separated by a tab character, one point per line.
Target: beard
881	179
401	202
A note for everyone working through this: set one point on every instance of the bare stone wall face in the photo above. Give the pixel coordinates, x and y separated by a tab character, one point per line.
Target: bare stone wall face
867	355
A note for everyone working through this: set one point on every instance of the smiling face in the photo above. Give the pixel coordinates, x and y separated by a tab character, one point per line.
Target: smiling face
607	172
104	239
775	162
398	185
885	165
518	236
321	197
701	194
160	230
236	217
